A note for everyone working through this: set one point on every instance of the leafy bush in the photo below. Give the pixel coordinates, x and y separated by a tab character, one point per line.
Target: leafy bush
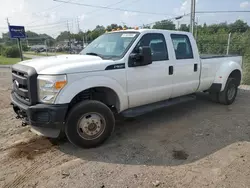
11	52
25	48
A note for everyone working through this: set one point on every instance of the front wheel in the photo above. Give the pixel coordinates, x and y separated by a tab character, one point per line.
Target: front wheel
89	124
229	94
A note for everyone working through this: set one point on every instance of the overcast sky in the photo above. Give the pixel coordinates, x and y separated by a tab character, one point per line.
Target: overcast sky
48	16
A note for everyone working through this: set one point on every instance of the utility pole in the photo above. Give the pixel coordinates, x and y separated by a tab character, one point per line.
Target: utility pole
196	30
192	16
84	41
69	35
228	43
78	24
7	19
46	47
85	38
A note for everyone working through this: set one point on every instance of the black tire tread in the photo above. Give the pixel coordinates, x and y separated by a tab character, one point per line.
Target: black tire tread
223	95
85	107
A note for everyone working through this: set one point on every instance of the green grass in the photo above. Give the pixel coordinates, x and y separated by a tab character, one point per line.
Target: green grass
9	61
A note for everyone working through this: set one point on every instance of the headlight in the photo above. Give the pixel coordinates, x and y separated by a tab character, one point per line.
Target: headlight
49	87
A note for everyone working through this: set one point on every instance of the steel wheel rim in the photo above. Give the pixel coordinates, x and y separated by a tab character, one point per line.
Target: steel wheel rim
91	126
231	92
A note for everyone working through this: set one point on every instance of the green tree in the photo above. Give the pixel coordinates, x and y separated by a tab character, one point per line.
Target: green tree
238	26
146	26
11	52
164	24
184	27
113	26
63	36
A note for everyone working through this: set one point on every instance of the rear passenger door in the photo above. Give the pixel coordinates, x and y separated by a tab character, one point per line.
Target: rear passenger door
186	66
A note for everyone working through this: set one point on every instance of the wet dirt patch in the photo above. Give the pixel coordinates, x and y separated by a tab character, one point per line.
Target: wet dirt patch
180	155
30	149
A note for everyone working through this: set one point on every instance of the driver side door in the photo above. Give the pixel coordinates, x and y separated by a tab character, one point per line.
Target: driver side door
150	83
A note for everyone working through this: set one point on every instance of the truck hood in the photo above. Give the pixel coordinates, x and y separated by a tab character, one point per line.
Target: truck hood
66	64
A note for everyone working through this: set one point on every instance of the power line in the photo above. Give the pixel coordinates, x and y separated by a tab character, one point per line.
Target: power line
107	6
203	12
47	29
119	6
110	8
166	20
222	11
198	12
51	8
49	25
66	21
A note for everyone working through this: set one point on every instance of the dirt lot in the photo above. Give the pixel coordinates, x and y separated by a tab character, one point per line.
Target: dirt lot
196	144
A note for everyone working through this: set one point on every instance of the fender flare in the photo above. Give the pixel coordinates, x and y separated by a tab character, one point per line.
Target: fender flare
224	72
71	90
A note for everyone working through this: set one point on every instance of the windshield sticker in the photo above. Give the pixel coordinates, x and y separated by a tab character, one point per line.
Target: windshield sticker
129	35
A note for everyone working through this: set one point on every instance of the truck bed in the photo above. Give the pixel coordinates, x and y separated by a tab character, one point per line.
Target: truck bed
211	64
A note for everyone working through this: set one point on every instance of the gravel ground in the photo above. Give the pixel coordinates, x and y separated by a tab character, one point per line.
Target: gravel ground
196	144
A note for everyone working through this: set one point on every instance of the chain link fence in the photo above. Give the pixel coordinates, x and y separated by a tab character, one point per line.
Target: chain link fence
231	44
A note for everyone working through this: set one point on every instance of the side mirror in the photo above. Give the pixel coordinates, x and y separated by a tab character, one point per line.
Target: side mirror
143	58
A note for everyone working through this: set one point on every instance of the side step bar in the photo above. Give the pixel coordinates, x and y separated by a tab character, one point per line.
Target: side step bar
137	111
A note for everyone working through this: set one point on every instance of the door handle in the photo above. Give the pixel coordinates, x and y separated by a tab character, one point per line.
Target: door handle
195	67
170	70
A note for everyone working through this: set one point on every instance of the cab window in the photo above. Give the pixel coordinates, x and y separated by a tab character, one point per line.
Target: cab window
157	43
182	46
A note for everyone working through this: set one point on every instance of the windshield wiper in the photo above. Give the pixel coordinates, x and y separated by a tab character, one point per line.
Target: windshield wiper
93	53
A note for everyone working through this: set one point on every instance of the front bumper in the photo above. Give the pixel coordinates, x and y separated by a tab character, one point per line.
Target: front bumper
45	119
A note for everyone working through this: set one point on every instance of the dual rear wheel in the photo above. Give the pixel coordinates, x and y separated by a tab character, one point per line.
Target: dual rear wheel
229	94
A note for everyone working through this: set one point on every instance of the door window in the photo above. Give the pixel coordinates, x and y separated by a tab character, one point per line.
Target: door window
182	46
157	44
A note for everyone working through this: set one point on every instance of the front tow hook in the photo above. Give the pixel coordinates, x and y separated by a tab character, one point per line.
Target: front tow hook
24	124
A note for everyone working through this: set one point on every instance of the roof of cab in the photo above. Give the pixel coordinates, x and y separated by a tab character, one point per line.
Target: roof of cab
151	31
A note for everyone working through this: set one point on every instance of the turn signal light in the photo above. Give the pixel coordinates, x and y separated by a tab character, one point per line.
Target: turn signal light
60	84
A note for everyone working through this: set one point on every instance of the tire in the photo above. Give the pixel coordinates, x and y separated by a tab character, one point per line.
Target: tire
225	97
214	97
88	114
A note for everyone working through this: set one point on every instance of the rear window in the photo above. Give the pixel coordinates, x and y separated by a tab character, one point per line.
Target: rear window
182	46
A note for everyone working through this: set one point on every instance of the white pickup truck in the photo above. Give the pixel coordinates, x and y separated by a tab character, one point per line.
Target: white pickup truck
128	72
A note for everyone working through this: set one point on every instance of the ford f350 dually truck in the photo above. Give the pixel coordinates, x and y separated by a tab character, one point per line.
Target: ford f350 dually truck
128	72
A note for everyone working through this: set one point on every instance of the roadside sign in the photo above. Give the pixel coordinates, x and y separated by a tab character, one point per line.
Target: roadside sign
17	32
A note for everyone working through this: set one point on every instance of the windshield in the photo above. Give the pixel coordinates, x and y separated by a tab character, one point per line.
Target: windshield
111	45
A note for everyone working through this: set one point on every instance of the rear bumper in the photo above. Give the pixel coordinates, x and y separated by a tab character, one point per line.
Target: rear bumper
43	118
